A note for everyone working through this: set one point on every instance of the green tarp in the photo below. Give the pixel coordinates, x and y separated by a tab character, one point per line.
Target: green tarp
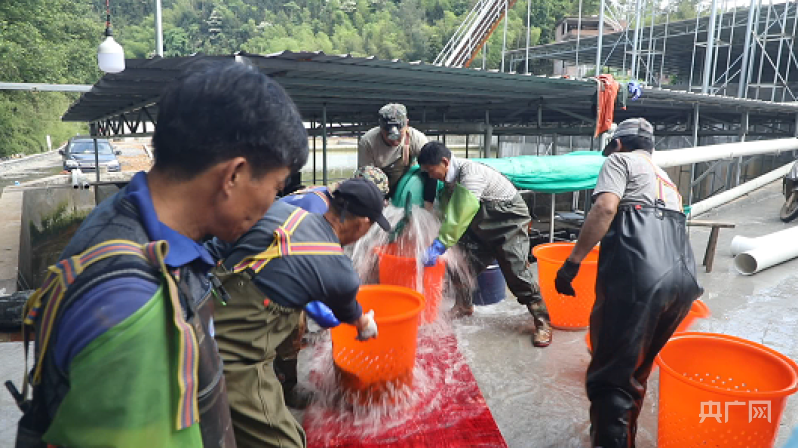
544	174
550	174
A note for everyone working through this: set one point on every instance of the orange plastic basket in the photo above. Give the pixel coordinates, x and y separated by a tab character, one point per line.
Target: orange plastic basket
370	368
698	310
403	271
567	312
719	390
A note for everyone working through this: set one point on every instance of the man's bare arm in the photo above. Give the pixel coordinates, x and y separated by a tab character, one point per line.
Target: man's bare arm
596	225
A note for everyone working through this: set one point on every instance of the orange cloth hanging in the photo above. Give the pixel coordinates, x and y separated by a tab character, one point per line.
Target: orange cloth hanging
607	93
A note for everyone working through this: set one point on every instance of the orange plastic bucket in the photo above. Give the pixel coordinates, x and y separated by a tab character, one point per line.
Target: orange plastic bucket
698	310
719	390
399	270
370	369
567	312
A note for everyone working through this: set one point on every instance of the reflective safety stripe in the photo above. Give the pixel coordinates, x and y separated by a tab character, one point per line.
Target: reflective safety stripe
663	183
62	274
282	246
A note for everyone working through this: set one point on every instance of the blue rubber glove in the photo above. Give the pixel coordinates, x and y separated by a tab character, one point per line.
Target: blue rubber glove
635	90
322	314
433	252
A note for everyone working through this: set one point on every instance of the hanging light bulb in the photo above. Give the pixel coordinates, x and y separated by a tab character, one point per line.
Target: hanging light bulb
110	55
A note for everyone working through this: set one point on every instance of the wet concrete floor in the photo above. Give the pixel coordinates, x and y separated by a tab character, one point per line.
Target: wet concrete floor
537	395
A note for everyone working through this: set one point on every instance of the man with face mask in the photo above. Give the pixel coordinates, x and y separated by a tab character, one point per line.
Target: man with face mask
646	279
393	147
289	259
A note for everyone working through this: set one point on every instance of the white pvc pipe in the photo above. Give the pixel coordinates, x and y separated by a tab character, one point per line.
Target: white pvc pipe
76	178
742	244
730	195
765	256
677	157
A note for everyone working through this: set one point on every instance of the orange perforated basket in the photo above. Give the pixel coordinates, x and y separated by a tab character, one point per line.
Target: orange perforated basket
698	310
567	312
399	270
719	390
370	368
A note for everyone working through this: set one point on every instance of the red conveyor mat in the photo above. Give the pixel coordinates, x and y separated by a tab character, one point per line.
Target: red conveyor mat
447	411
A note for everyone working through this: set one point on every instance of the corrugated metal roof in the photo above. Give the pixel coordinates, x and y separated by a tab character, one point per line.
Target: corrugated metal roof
353	89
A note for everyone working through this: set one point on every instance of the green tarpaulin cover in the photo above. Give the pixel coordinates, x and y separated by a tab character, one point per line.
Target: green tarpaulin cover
550	174
545	174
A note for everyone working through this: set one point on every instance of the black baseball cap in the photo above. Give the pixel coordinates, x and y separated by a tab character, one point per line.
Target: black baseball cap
361	197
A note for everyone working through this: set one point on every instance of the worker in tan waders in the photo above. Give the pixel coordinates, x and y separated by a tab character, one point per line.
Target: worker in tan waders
289	259
646	279
393	147
486	217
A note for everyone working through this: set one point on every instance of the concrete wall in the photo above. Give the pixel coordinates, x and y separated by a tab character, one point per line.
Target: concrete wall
36	222
50	215
10	230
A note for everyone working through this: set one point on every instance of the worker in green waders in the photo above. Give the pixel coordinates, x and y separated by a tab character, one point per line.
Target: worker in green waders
314	200
646	279
290	261
486	217
125	355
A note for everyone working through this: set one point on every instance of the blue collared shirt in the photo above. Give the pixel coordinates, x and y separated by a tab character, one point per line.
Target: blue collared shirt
111	302
309	201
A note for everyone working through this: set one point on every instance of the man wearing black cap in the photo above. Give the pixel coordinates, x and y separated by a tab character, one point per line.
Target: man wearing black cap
393	147
287	260
646	279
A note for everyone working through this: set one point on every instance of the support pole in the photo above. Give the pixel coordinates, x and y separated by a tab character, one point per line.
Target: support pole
313	127
158	29
696	116
743	133
551	224
466	146
528	29
600	37
324	143
635	40
709	48
504	40
742	86
488	135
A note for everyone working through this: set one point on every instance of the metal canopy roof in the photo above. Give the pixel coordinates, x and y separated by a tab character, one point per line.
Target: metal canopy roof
676	41
353	89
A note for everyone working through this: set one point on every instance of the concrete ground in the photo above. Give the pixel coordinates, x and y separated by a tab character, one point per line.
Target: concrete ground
537	395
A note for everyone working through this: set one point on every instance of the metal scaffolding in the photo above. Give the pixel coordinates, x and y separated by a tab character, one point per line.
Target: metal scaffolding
747	52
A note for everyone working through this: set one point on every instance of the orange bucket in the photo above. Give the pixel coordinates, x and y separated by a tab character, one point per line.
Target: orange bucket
719	390
369	369
698	310
567	312
402	271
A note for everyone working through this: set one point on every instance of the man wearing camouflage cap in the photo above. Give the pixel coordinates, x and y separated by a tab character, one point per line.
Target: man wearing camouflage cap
316	199
393	146
646	279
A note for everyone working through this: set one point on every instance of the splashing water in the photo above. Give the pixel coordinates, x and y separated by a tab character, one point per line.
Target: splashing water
440	373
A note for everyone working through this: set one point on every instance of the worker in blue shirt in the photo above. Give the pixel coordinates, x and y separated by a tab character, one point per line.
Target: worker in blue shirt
125	350
314	200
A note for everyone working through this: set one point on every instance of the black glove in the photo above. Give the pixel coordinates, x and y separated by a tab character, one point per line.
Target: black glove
565	276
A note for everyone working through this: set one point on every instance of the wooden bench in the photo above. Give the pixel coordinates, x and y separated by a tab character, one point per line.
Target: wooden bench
709	255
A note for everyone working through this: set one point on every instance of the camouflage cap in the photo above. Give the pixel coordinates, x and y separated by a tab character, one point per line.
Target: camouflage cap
370	173
375	175
634	127
393	117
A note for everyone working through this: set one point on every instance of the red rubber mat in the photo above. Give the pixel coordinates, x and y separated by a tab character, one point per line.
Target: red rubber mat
445	410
